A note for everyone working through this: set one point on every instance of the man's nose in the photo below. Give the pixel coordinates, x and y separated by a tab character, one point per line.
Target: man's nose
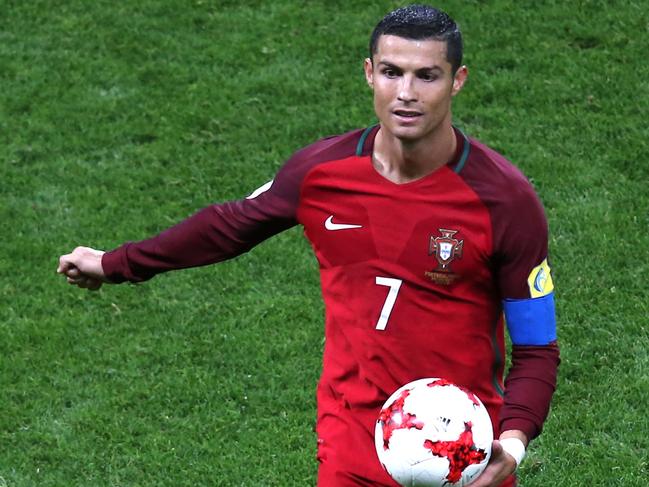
407	90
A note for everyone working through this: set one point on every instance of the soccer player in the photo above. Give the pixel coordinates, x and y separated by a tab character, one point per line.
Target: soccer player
428	241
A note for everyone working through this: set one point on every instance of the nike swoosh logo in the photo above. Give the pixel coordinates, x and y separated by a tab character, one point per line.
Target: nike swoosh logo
330	225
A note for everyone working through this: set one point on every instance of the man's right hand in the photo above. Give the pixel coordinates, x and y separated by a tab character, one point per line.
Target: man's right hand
83	268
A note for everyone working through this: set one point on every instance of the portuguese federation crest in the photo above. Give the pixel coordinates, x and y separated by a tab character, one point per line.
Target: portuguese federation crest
446	248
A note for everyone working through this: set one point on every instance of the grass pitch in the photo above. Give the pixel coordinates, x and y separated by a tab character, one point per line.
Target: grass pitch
118	119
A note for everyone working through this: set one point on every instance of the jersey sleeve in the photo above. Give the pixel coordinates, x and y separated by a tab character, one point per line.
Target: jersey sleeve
529	386
521	241
527	291
524	276
215	233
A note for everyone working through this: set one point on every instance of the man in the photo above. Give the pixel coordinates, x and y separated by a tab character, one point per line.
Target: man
424	237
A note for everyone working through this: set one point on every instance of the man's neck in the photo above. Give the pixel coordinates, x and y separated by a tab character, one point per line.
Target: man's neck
402	161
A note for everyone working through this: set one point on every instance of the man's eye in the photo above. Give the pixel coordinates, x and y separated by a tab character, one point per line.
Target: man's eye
390	73
428	76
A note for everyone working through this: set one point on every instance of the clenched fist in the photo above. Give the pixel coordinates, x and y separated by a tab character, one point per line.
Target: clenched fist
83	268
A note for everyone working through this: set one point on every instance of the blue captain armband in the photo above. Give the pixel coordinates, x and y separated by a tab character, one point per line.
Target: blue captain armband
531	321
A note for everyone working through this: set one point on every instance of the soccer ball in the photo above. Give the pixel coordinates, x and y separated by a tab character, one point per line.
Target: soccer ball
432	433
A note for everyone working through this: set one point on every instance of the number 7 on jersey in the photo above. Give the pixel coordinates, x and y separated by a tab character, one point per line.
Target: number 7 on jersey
394	285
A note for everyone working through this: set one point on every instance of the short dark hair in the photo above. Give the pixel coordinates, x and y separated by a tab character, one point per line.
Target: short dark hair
420	22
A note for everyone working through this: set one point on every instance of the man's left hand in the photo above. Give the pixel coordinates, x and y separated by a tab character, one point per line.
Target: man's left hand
501	465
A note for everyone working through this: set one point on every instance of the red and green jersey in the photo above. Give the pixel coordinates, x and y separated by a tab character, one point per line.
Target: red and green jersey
416	280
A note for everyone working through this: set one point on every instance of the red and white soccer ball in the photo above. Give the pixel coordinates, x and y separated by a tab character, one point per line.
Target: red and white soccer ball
432	433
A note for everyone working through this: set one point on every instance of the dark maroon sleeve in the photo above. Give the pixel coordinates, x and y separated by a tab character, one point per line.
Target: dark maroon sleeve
529	387
521	239
214	234
223	231
531	380
520	243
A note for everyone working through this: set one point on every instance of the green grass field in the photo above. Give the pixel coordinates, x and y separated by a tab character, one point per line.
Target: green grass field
118	119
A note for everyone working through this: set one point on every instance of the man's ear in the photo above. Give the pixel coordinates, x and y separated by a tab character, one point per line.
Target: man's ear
369	72
459	79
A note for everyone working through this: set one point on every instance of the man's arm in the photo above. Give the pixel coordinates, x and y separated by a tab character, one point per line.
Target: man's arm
215	233
525	284
529	387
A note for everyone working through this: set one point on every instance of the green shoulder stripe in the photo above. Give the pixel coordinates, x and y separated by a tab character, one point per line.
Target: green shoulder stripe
361	141
465	153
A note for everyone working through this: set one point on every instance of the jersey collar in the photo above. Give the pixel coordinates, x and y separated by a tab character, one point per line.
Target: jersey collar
365	144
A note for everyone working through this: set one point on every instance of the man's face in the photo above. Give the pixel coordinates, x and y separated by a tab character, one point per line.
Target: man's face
413	84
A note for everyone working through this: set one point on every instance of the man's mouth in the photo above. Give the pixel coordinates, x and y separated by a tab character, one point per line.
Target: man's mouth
407	113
